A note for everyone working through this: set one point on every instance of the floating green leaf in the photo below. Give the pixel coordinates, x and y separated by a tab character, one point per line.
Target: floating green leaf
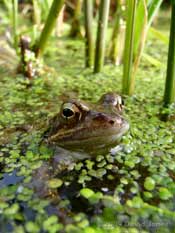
55	183
149	183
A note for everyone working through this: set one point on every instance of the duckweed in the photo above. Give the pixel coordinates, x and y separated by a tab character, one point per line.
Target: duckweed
149	183
95	198
55	183
11	210
86	192
164	193
32	227
51	224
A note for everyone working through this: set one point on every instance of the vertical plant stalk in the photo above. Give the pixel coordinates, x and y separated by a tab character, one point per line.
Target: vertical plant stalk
145	14
36	18
141	30
128	82
114	38
49	25
36	12
76	26
152	10
89	43
45	6
15	22
101	34
169	95
140	24
116	46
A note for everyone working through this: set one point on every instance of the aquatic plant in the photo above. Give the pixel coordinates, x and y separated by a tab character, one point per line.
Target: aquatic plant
116	44
101	34
48	27
144	13
89	40
76	23
15	23
128	82
136	33
169	94
36	13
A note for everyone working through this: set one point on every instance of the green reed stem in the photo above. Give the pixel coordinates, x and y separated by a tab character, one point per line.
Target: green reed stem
113	49
152	10
169	95
101	33
15	22
36	12
89	43
128	81
49	25
76	23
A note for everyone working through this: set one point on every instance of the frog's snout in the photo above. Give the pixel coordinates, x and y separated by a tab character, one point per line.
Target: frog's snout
109	120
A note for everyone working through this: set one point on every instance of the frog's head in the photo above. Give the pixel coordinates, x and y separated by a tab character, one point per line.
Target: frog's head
79	127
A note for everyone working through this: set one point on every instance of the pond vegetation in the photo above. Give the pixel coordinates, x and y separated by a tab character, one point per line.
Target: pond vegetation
130	191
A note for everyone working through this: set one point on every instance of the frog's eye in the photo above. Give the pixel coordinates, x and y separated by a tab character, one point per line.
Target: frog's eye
69	110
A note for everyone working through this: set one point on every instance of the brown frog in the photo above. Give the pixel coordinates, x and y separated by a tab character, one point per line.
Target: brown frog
77	132
79	127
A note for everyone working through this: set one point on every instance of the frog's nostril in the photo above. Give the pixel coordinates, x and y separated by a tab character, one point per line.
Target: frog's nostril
111	122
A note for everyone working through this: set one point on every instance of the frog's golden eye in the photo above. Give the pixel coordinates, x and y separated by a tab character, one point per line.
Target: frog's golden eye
69	110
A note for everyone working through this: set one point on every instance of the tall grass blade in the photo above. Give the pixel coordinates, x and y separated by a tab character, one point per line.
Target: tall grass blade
159	35
15	22
8	5
36	12
101	33
76	24
117	45
145	13
153	61
140	24
49	25
89	43
45	6
153	8
127	84
139	36
169	95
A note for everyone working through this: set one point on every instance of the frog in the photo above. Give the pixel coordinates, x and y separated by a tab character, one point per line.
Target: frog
87	129
80	131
